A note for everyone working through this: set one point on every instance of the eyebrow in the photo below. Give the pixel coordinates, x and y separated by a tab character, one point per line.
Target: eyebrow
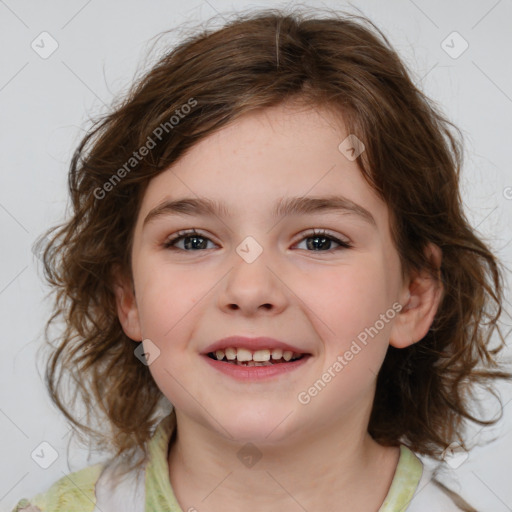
202	206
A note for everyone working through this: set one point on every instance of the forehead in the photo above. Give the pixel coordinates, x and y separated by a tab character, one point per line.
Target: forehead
252	165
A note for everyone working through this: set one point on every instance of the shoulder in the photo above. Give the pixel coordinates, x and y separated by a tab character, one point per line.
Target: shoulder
432	494
72	493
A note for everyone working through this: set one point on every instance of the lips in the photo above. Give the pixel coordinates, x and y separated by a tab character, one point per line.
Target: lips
252	344
255	359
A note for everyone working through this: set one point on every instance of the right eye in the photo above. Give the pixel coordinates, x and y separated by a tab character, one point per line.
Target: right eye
192	238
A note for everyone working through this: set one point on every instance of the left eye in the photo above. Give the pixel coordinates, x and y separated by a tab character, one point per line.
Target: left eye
321	238
194	240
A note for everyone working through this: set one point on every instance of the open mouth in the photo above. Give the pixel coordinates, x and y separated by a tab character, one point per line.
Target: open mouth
245	357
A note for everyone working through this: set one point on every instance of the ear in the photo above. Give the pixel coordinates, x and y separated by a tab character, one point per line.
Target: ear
421	297
127	310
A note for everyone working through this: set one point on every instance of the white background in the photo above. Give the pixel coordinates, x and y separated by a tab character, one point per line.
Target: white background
45	104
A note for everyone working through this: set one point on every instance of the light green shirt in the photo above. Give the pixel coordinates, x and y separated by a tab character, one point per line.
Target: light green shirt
78	491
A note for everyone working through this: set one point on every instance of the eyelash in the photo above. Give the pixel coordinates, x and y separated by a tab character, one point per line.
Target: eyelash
169	244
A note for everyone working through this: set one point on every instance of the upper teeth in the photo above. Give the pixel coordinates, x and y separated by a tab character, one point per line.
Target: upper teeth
243	354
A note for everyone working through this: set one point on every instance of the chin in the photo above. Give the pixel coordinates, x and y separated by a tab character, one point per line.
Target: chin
259	425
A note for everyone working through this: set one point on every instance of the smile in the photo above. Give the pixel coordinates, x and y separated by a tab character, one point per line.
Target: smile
262	357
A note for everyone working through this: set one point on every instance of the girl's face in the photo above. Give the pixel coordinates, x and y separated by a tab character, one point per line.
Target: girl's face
250	272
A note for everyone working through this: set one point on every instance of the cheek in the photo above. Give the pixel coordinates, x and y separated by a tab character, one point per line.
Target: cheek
167	301
352	297
165	297
353	315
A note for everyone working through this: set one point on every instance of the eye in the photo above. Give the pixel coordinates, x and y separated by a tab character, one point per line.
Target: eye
321	239
192	238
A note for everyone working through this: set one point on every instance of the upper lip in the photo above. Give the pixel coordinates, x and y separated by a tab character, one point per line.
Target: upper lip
252	344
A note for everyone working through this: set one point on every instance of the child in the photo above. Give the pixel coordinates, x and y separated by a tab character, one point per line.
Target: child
337	313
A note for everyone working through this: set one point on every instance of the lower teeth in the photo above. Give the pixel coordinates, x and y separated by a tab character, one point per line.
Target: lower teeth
256	363
253	363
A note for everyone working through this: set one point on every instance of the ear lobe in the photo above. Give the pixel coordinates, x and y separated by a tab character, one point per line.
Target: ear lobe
127	310
422	297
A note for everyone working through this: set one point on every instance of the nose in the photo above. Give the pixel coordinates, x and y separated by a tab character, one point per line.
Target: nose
253	287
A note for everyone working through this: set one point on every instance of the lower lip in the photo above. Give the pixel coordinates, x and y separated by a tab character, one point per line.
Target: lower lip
251	373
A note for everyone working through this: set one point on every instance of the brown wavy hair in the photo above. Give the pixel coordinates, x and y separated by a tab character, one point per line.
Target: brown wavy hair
413	159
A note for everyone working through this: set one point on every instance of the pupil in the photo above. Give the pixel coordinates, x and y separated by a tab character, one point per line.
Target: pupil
323	239
194	245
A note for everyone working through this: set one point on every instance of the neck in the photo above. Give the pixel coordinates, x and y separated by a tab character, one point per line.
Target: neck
335	464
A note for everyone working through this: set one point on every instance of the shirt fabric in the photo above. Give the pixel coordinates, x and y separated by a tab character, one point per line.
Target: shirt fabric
98	488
